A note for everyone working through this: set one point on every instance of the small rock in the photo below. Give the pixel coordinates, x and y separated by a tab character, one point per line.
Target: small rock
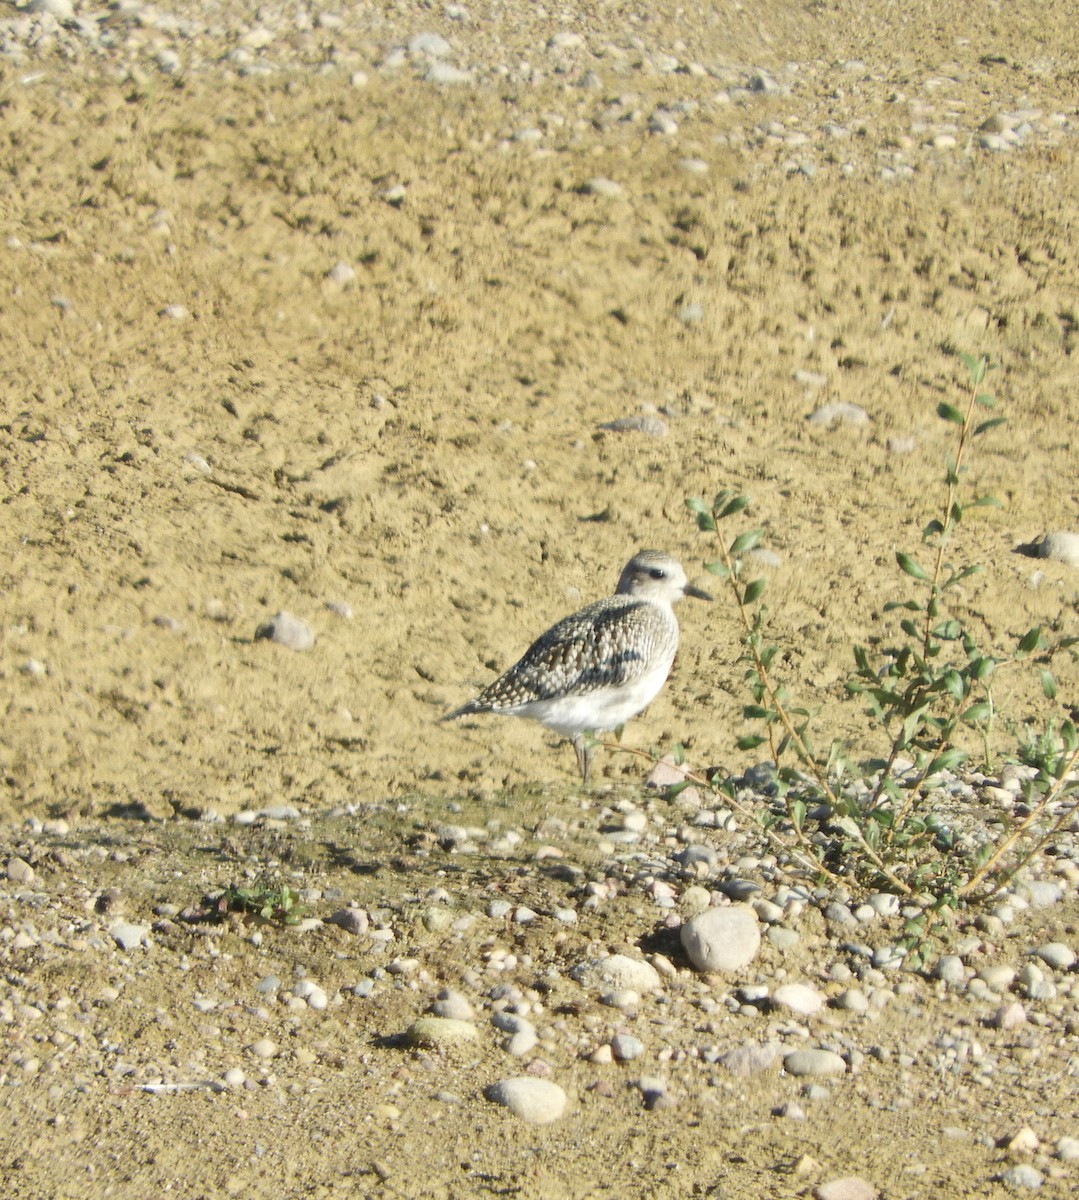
838	413
626	1047
722	939
440	1033
62	10
286	630
616	972
128	936
751	1059
852	1000
445	73
453	1005
1023	1142
1022	1176
1056	955
814	1062
341	273
652	426
850	1187
1061	546
800	998
950	969
19	871
432	45
351	920
599	186
263	1048
535	1101
1067	1149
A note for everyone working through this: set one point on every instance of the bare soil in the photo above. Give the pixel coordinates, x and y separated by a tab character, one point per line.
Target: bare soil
423	443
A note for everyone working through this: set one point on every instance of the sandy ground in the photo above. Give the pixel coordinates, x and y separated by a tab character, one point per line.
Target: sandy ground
203	423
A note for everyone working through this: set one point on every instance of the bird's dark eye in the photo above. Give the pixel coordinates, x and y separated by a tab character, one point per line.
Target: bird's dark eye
657	572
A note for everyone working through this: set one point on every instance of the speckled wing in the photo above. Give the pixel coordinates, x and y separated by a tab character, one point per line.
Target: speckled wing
608	644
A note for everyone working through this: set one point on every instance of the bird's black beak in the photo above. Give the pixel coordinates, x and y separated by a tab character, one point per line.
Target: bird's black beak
696	592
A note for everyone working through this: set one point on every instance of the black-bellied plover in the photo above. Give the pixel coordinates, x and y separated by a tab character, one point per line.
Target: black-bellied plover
598	667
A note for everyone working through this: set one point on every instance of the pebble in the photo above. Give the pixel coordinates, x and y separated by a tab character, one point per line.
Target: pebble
1061	546
722	939
440	1033
626	1047
1009	1016
286	630
800	998
617	972
264	1048
351	920
535	1101
1056	955
446	74
1023	1175
950	968
838	412
19	871
852	1000
600	186
652	426
751	1059
128	936
850	1187
452	1005
813	1062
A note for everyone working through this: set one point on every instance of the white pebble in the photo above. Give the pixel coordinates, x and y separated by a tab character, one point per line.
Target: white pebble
1061	546
535	1101
286	630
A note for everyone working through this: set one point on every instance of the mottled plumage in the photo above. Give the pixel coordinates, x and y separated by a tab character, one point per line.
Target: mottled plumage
595	669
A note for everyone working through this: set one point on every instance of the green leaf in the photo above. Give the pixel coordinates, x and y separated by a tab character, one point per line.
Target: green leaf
981	711
907	564
679	754
696	505
715	567
986	502
977	369
1049	684
954	684
1030	640
948	631
982	668
797	811
757	712
949	413
934	527
729	505
946	761
744	541
706	523
753	591
985	401
909	628
908	605
749	742
985	426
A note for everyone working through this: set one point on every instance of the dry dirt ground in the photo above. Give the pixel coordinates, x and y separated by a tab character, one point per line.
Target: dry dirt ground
202	424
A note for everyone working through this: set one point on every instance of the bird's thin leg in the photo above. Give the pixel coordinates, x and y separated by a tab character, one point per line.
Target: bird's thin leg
585	748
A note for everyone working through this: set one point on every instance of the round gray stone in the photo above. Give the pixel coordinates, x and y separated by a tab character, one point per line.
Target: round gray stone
722	939
814	1062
